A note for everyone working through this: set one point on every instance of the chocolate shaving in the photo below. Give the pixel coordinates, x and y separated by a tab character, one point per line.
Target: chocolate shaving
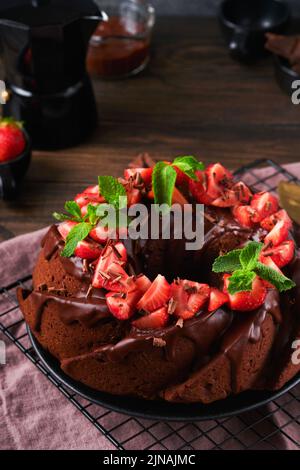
159	342
179	322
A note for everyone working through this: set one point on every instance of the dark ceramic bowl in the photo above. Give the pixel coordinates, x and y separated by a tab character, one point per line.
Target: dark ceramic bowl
12	172
245	23
285	75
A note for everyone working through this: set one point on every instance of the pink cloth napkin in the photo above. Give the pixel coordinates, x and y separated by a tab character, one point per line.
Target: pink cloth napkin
35	415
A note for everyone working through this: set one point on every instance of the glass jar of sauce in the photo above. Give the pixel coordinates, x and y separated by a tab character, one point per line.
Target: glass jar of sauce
120	46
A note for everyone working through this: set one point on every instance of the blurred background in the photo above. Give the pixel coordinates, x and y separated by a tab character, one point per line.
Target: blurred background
179	7
199	7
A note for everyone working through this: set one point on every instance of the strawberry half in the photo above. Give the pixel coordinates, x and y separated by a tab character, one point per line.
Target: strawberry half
248	300
102	234
156	296
135	174
218	179
188	297
282	254
142	283
217	298
109	272
265	204
89	195
279	225
122	305
245	215
240	193
85	249
154	320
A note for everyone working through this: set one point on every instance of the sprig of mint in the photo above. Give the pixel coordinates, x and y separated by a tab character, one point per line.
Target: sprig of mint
79	232
74	213
164	177
113	192
244	265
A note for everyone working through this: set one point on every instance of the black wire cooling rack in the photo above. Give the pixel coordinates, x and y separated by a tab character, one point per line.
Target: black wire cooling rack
274	426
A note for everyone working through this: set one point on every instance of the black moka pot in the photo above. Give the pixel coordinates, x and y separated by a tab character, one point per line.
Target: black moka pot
44	44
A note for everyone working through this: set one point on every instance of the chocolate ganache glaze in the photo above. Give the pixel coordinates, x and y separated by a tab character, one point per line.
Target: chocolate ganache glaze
210	334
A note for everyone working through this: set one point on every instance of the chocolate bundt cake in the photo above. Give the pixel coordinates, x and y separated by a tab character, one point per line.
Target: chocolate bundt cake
151	319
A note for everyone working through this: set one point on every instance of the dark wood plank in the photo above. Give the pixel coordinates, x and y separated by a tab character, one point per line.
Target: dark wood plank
193	99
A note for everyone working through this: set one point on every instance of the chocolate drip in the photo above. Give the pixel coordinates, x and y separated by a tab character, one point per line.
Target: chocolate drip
203	331
51	242
86	310
246	328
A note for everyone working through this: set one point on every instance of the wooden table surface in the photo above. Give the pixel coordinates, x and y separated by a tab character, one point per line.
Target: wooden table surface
192	99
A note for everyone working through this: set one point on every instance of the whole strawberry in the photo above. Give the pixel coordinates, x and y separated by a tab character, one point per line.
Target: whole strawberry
12	139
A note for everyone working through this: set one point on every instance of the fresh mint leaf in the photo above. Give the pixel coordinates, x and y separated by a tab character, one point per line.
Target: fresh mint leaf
249	255
73	208
227	263
92	214
163	183
60	217
112	190
241	281
74	213
188	165
281	282
79	232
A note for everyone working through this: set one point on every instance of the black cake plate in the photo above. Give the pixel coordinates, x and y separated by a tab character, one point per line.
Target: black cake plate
160	410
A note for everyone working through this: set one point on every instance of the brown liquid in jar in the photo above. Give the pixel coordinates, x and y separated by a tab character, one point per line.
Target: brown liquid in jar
117	56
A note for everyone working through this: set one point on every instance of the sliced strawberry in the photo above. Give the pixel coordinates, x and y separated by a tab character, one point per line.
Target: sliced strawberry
238	194
156	296
242	191
265	204
109	272
122	305
216	299
178	198
227	199
92	190
154	320
65	227
282	254
245	215
102	234
134	196
89	195
198	189
135	174
142	283
269	222
188	297
281	226
248	300
85	249
218	179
